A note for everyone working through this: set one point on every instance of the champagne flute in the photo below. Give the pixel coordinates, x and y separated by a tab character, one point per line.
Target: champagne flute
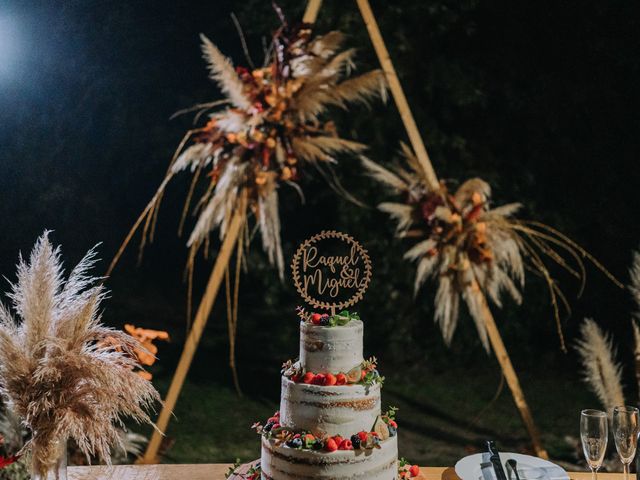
625	434
594	433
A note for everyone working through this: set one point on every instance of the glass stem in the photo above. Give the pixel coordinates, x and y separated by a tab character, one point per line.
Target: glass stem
594	473
625	470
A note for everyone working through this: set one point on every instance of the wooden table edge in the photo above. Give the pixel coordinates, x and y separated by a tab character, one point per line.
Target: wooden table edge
217	471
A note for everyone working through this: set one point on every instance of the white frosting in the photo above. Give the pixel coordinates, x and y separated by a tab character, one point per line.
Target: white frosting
343	410
331	349
284	463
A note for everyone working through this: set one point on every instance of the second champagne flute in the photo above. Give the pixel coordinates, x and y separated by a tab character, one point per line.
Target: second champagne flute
625	435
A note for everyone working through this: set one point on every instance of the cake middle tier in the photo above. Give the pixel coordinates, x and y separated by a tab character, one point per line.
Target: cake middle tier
327	411
331	349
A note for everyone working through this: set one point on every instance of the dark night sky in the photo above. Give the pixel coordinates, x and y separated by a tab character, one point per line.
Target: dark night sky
539	98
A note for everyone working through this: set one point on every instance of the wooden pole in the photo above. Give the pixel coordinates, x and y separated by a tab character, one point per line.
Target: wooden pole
423	157
398	93
311	12
193	339
502	355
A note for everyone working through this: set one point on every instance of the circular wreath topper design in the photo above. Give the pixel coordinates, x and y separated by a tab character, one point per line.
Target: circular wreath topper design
331	280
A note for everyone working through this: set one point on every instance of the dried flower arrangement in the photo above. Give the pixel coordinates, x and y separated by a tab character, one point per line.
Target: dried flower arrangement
602	371
271	129
65	374
467	245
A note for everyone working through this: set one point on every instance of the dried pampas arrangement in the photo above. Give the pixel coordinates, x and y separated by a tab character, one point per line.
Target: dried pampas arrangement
601	371
465	244
270	131
64	373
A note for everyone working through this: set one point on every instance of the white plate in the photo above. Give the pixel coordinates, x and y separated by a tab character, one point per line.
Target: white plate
529	468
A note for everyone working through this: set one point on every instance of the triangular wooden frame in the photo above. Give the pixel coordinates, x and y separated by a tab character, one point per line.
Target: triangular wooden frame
233	234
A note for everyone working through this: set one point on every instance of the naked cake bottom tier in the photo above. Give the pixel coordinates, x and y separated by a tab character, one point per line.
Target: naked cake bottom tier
284	463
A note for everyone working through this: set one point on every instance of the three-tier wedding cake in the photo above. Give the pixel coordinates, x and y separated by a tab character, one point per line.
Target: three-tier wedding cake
330	424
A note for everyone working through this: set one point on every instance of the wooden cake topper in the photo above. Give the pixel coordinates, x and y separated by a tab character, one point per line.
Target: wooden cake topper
331	270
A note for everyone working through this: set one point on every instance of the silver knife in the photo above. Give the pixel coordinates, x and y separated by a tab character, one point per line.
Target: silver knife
494	457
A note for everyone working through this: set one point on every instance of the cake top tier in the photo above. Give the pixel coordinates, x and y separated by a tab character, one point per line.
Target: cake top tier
327	349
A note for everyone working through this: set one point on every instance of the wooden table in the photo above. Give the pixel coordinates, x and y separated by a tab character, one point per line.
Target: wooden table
217	472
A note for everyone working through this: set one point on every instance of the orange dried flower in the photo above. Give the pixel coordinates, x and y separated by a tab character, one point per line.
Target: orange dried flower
146	355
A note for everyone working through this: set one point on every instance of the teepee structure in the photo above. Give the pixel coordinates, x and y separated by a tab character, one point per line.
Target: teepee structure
270	131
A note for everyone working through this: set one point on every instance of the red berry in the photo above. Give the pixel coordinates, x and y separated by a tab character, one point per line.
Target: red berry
338	439
296	378
273	420
277	414
315	318
309	437
308	378
341	379
275	425
319	379
393	423
346	445
414	470
330	445
330	380
375	434
363	436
